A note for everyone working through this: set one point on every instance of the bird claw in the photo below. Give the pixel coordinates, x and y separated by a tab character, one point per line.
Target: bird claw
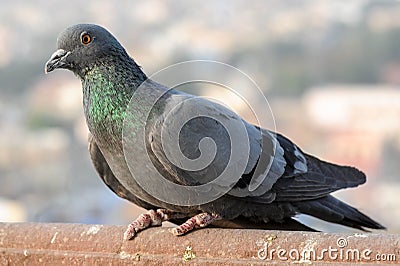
197	221
129	233
145	220
155	218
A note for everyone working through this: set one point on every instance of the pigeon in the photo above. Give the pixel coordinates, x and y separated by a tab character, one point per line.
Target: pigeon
178	155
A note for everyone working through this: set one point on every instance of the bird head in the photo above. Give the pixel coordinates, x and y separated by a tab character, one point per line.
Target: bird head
81	47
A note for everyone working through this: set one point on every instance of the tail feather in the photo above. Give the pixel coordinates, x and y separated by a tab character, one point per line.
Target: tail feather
333	210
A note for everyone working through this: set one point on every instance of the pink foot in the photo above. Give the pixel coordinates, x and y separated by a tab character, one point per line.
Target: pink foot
199	220
151	218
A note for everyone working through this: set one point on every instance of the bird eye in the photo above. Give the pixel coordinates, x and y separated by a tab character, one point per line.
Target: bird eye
85	38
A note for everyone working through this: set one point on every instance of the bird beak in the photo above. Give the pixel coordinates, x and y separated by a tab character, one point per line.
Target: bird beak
57	60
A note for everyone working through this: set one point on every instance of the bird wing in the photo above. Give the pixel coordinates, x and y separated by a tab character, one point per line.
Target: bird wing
320	179
306	177
273	167
191	139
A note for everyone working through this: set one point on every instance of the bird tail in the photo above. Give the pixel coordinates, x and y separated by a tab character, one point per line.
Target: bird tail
333	210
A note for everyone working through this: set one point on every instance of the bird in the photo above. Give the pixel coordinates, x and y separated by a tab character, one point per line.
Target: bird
164	150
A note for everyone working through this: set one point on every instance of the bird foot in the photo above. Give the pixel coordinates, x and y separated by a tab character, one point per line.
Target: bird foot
151	218
199	220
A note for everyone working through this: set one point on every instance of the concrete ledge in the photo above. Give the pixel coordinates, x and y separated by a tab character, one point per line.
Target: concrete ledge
55	244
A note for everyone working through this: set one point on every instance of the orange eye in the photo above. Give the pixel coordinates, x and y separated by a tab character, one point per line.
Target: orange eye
85	38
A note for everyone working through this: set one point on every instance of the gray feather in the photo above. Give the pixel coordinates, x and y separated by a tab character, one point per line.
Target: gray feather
271	179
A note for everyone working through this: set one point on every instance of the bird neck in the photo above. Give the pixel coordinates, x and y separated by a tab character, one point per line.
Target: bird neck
107	90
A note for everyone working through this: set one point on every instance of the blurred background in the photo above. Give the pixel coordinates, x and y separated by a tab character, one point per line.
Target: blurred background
330	70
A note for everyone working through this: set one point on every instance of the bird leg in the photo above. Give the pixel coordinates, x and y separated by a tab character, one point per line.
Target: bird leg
151	218
199	220
155	218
